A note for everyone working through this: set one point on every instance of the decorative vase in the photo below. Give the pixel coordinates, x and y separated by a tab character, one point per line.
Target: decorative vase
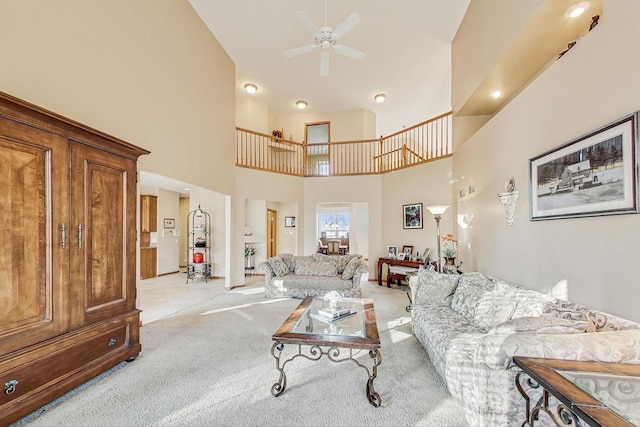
449	266
249	261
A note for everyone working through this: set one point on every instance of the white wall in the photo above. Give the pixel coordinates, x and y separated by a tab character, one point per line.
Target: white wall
255	217
429	184
593	84
153	76
168	245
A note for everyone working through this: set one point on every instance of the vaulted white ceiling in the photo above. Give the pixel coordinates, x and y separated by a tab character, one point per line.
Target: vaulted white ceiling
407	43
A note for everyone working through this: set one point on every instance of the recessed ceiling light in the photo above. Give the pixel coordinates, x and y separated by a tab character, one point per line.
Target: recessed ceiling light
301	104
577	9
496	94
380	98
251	88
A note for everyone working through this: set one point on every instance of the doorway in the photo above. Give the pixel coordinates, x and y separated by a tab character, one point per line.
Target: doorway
271	232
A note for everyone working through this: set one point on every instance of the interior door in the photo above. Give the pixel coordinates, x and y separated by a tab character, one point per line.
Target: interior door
34	177
271	232
103	243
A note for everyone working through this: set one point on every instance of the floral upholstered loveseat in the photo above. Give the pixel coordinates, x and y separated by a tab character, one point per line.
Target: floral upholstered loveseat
287	275
471	327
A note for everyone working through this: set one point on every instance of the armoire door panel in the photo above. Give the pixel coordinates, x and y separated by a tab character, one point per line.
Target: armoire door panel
104	231
32	291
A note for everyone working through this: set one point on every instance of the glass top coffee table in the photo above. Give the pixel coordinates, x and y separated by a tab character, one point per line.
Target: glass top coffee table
599	393
314	335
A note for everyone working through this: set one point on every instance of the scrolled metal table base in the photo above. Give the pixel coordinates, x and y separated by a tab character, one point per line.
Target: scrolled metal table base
315	352
561	416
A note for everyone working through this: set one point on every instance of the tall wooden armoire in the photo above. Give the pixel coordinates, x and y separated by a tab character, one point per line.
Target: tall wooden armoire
67	255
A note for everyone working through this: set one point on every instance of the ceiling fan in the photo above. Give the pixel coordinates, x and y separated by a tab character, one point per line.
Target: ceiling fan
325	38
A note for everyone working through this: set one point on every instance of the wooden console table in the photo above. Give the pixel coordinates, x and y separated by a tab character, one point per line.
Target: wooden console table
598	393
393	261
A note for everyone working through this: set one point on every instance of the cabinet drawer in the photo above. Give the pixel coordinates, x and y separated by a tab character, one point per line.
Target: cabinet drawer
44	371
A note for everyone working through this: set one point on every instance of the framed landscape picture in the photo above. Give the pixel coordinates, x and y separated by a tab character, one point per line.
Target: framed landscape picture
594	174
412	215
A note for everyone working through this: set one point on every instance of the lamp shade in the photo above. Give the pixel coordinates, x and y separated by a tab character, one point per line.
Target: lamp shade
438	209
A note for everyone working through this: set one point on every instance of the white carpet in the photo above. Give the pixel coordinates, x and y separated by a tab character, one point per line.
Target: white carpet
211	365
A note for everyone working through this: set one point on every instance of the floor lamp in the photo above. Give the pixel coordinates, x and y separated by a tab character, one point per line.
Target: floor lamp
437	211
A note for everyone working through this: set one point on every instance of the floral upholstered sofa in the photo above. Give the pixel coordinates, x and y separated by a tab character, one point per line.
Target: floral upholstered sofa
287	275
471	327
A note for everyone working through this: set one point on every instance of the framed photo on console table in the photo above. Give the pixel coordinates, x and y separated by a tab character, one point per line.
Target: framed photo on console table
592	175
412	216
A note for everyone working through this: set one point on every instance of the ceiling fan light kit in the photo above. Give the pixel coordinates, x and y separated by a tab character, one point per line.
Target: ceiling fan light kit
326	37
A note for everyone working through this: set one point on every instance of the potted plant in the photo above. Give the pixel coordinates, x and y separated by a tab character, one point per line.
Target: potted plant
249	252
450	243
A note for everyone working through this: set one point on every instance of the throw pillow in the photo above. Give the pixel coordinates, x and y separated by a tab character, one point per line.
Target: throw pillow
350	269
343	260
288	259
493	308
278	266
315	268
435	286
466	298
540	325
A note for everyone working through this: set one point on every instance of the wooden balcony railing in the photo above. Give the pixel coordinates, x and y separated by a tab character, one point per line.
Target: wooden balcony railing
424	142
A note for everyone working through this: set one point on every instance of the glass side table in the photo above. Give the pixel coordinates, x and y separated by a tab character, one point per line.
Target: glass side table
598	393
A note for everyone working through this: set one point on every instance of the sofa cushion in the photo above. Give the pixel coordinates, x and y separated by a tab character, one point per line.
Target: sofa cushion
288	259
316	268
540	325
599	321
530	303
493	308
433	286
470	289
350	269
278	266
329	283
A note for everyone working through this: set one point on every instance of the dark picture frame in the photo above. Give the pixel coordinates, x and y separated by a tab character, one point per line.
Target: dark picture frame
408	251
289	221
592	175
169	223
412	216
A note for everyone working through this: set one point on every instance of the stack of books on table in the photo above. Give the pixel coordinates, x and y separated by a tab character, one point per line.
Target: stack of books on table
331	314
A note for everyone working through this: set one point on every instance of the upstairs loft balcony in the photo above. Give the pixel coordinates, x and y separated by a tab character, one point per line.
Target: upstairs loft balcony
422	143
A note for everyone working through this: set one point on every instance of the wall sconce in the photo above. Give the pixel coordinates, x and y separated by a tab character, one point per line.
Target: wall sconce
508	199
301	104
251	88
437	211
380	98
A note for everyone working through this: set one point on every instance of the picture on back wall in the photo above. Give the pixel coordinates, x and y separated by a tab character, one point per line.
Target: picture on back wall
412	215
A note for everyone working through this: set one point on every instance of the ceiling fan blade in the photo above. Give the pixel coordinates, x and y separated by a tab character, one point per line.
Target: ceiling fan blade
299	50
307	22
349	51
324	63
346	26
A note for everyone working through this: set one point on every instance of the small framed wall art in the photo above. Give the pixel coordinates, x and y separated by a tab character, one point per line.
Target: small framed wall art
169	223
289	221
412	216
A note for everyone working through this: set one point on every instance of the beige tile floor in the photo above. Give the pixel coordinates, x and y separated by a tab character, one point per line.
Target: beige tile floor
163	296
